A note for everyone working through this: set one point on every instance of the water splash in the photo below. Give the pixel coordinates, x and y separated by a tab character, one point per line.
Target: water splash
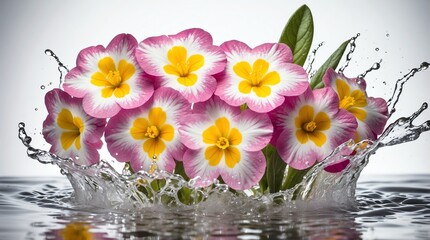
61	67
101	184
398	88
352	47
311	59
375	66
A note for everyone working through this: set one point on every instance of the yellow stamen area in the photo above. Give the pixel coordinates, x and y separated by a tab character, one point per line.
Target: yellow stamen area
256	78
72	128
154	131
223	142
352	101
112	80
310	127
183	66
76	231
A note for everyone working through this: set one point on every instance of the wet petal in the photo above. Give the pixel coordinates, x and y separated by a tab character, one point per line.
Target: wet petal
154	147
213	154
235	137
242	69
157	116
318	138
232	156
139	128
106	65
195	62
245	86
343	89
323	121
301	136
126	70
271	78
167	132
262	91
223	126
261	66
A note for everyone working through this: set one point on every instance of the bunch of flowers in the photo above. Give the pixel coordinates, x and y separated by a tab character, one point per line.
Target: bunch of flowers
231	113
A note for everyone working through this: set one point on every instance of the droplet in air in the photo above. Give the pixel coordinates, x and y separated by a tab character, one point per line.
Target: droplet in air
376	49
49	52
42	87
36	109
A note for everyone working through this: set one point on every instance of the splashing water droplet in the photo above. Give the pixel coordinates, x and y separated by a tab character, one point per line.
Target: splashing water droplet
352	46
61	67
375	66
311	59
398	88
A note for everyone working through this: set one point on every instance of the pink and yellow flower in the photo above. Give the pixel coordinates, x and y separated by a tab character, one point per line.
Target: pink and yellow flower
223	141
149	133
71	132
185	62
308	127
371	113
109	79
260	77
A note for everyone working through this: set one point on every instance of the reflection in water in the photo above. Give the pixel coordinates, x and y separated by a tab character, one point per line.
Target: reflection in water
386	207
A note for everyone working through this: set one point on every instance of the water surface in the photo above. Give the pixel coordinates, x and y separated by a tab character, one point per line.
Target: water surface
385	207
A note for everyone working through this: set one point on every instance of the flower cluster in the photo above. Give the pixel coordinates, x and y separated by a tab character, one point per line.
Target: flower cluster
180	98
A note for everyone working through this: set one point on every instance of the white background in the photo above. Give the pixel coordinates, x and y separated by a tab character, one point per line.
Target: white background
398	28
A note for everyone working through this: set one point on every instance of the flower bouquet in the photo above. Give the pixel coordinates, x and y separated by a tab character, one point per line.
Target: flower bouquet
177	108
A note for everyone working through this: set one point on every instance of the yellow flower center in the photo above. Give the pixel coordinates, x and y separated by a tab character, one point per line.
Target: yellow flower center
347	102
72	128
311	127
182	66
352	101
76	231
114	78
223	142
256	78
154	131
111	79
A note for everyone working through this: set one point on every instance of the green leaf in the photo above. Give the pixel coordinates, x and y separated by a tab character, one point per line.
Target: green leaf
332	62
298	34
275	170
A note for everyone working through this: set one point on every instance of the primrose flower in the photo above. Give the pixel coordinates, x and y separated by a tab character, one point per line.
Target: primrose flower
371	113
149	133
260	77
185	62
222	141
308	127
109	79
71	132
